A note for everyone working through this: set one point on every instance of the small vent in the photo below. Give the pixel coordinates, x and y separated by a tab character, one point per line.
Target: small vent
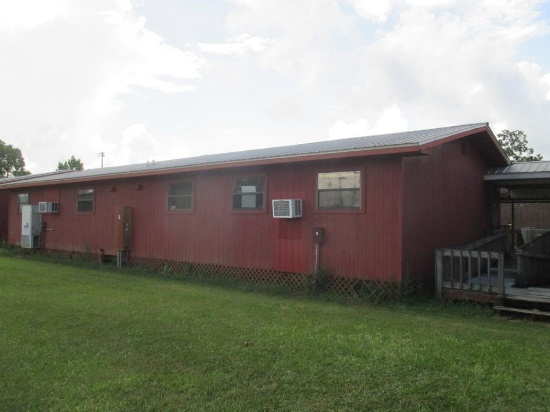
47	207
287	208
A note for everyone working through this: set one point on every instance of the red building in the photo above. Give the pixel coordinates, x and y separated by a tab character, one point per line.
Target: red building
4	202
385	203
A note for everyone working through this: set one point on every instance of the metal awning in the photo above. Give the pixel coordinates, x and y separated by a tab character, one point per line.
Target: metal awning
527	182
524	173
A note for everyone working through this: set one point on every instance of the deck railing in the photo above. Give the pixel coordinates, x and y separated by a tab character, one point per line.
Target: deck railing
477	267
470	270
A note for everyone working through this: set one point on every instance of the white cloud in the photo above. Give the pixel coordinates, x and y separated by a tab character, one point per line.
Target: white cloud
546	79
473	91
342	130
532	74
241	44
391	120
375	10
430	4
152	63
101	75
303	34
135	145
98	144
68	73
27	14
403	64
138	145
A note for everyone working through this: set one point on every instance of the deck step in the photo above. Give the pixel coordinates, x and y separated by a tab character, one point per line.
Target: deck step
531	296
533	312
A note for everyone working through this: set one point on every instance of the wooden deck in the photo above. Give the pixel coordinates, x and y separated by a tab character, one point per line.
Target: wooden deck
487	272
484	286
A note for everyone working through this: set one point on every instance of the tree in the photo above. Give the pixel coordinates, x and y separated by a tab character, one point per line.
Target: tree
71	164
515	145
11	161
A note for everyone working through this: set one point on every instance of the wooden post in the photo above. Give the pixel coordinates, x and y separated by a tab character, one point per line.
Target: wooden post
489	284
439	273
479	287
501	291
460	270
469	269
451	271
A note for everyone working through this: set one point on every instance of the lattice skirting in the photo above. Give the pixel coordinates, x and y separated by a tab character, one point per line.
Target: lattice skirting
368	289
65	255
218	271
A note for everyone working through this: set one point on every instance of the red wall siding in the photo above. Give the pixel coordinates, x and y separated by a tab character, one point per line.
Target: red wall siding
445	204
14	220
385	200
293	238
4	211
360	244
364	244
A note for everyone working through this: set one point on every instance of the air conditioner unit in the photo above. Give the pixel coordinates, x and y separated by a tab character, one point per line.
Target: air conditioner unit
287	208
47	207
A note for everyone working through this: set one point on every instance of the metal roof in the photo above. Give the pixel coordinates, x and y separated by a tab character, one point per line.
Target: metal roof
17	179
520	171
398	141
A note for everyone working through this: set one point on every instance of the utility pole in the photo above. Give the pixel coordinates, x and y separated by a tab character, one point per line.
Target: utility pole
102	155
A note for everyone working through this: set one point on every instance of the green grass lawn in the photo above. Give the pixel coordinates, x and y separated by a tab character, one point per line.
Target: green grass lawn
84	339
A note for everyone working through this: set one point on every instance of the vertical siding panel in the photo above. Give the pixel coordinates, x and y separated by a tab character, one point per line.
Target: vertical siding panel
4	213
287	235
375	213
445	203
397	223
378	224
383	216
358	244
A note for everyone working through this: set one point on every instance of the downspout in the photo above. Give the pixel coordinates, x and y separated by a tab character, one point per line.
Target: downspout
318	238
316	258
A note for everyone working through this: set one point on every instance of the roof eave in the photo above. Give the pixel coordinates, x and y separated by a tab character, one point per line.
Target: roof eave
503	177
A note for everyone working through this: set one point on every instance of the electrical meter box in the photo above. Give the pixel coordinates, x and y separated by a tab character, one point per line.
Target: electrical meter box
319	234
31	226
123	228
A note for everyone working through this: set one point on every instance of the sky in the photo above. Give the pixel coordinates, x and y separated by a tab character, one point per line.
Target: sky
144	80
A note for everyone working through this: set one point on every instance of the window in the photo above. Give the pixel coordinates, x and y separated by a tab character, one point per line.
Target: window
248	193
85	201
339	190
180	196
22	199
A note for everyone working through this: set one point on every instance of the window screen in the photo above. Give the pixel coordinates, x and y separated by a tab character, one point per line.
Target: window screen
22	199
85	201
180	196
248	193
339	190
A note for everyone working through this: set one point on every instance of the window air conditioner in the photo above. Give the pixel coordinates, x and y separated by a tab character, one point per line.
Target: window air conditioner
287	208
47	207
